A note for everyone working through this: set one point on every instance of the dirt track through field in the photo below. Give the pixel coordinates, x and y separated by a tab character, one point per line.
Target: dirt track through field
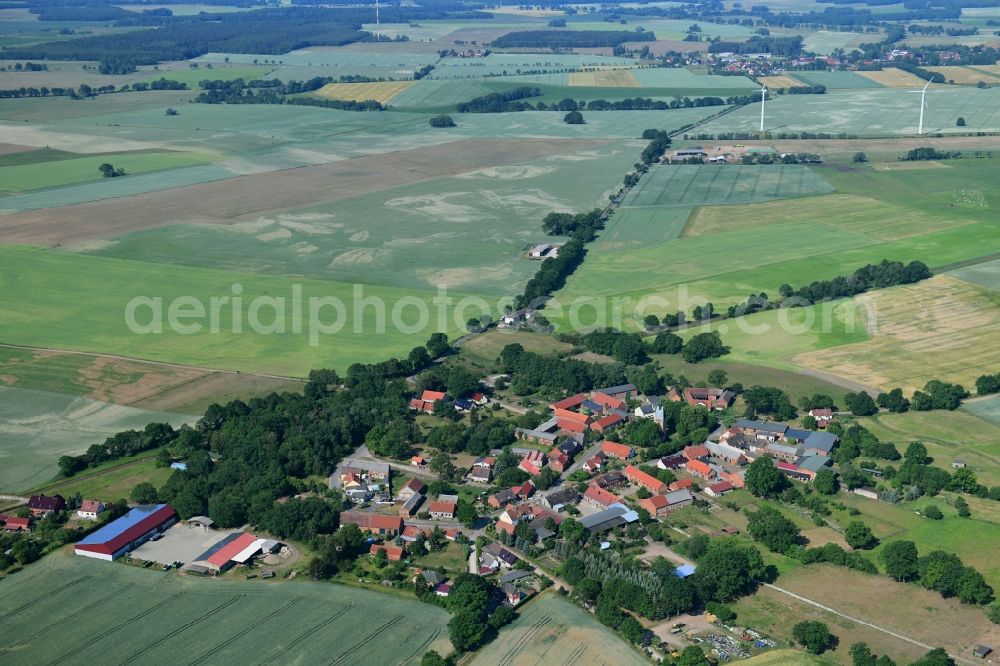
227	201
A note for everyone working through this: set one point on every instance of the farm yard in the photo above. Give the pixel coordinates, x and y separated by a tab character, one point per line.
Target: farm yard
220	622
552	630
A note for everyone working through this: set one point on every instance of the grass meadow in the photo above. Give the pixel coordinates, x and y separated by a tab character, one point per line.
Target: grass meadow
37	427
40	175
684	185
551	630
150	613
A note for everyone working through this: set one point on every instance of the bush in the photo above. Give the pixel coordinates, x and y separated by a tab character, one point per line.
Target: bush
932	512
443	120
813	636
574	118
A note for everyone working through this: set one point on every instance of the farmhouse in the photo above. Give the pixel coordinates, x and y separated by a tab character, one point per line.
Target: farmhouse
613	479
354	468
90	509
17	524
558	460
622	392
616	450
700	469
126	533
443	509
661	505
610	518
719	489
680	484
593	465
425	403
730	454
538	435
506	558
559	499
606	423
393	553
411	505
41	505
605	401
235	548
412	487
699	452
373	522
599	497
709	398
647	481
523	491
482	470
502	498
822	416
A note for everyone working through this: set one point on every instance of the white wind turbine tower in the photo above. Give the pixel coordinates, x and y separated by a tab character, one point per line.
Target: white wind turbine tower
378	35
923	105
763	94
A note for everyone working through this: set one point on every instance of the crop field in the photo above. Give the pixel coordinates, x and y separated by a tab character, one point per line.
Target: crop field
378	91
965	75
986	274
430	93
49	305
68	171
690	185
836	80
37	427
947	435
610	78
988	409
940	328
824	42
504	64
131	383
631	228
681	78
662	28
881	111
464	232
894	78
552	630
217	621
192	76
246	197
780	81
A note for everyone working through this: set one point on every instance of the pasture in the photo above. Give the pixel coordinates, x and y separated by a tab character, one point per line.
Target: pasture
38	427
904	608
696	185
150	613
869	112
940	328
947	436
379	91
551	630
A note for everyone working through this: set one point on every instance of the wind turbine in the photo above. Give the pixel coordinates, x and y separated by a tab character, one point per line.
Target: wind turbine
923	105
378	34
763	94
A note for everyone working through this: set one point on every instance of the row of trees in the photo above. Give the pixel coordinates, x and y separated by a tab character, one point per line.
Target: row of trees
936	394
560	39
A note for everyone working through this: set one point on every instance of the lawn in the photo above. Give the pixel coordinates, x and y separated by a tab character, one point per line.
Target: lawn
929	330
50	304
69	171
552	630
37	427
452	558
947	436
150	613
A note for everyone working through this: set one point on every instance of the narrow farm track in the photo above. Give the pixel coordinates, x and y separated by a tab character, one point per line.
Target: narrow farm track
864	623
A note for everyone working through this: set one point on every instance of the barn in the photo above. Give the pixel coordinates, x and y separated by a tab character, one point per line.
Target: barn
126	533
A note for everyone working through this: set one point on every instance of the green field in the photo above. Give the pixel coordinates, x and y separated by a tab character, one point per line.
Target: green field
551	630
947	435
869	112
467	233
193	76
986	274
834	80
69	171
988	409
36	427
149	614
49	305
631	228
683	185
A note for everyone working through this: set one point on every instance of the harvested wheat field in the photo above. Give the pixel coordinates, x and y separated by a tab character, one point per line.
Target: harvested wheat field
966	75
894	78
380	91
780	81
227	201
940	328
610	78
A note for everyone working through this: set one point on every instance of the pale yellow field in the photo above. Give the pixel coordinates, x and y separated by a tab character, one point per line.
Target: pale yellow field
380	91
940	328
611	78
780	81
991	69
966	75
894	78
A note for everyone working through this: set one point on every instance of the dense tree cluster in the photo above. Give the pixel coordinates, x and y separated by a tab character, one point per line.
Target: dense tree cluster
531	372
581	226
769	401
939	571
987	384
929	153
500	102
782	46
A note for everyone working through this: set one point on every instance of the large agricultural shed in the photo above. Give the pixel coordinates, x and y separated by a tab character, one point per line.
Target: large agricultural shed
119	537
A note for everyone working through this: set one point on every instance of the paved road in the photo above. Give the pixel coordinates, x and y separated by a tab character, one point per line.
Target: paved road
583	457
861	622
